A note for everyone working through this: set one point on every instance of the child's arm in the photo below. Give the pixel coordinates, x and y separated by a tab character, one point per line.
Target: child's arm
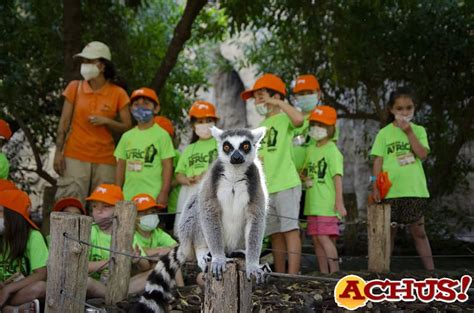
296	117
182	179
94	266
120	172
339	196
416	146
6	292
377	168
166	175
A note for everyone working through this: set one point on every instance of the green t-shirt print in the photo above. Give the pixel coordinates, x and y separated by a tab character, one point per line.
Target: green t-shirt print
4	166
322	164
36	256
277	154
158	238
197	157
408	180
143	151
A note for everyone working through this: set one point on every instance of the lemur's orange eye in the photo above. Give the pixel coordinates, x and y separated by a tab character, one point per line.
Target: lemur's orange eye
226	148
246	147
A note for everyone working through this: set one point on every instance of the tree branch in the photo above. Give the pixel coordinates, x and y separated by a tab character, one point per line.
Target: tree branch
182	33
71	36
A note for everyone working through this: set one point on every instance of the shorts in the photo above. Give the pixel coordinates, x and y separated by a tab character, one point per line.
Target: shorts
323	225
283	210
407	210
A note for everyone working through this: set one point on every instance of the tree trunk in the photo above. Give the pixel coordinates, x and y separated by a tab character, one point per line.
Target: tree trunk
230	107
182	33
72	36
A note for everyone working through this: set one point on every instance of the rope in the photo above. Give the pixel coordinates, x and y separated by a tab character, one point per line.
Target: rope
304	277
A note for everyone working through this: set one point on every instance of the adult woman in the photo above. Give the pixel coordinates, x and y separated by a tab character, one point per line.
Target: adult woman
84	143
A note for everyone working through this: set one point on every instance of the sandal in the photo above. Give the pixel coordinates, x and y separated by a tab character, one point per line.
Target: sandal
30	307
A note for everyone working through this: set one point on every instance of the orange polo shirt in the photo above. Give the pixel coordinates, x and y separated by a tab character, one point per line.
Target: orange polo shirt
85	141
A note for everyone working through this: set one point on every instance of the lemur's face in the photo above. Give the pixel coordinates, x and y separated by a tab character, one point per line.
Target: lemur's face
238	146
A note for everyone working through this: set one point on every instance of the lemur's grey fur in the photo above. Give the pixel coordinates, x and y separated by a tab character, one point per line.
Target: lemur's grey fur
226	215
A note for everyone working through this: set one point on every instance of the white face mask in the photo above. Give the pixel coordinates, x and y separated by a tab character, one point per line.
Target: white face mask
307	103
149	222
318	133
203	130
89	71
261	109
407	119
2	225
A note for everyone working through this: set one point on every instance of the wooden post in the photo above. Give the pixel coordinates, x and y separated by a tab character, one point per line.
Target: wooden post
122	238
232	294
378	230
67	263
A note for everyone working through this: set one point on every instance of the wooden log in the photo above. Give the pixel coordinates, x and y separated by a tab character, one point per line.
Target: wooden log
378	230
123	228
48	203
232	294
67	263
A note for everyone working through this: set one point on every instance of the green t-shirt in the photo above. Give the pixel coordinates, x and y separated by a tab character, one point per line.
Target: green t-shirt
174	193
391	143
101	239
276	154
4	166
322	164
301	140
143	151
36	256
197	157
158	238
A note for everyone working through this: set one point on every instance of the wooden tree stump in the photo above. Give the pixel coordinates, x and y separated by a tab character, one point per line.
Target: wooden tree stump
378	230
120	265
232	294
67	263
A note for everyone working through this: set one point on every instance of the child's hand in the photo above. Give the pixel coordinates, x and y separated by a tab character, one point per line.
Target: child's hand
4	295
376	194
403	124
341	209
136	252
162	199
269	100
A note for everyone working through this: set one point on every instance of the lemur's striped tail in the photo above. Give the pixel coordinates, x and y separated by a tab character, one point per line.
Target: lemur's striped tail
159	283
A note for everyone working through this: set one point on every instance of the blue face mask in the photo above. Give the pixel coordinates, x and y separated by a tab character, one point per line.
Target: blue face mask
142	115
307	103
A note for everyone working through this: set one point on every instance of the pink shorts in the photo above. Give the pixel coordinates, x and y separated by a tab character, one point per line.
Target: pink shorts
323	225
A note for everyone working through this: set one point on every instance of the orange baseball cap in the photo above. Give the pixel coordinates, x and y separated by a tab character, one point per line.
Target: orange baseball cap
5	130
306	82
65	202
145	92
108	193
324	114
268	81
19	202
145	202
201	108
7	185
166	124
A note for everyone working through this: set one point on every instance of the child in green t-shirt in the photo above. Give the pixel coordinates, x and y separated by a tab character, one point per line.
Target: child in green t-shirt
324	197
68	205
23	254
145	153
5	135
196	157
153	240
399	149
283	182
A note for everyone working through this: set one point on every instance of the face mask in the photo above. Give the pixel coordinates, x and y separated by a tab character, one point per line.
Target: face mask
407	119
142	115
261	109
318	133
149	222
104	223
203	130
307	103
89	71
2	225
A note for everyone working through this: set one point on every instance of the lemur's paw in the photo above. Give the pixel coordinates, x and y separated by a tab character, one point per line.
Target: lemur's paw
259	271
218	266
202	262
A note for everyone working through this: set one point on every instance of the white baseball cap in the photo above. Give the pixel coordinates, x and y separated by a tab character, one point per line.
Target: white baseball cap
95	50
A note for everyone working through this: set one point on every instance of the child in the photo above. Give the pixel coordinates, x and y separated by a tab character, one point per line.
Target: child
23	252
5	135
202	151
69	205
102	203
282	179
324	201
153	240
399	149
145	152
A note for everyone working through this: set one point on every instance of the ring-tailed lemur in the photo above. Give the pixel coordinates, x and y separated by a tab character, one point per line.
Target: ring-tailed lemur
226	215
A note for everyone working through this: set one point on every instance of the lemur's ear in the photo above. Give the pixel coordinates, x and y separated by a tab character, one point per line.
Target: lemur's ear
216	132
258	134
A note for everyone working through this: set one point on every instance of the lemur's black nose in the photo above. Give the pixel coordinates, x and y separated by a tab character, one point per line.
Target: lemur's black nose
236	158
